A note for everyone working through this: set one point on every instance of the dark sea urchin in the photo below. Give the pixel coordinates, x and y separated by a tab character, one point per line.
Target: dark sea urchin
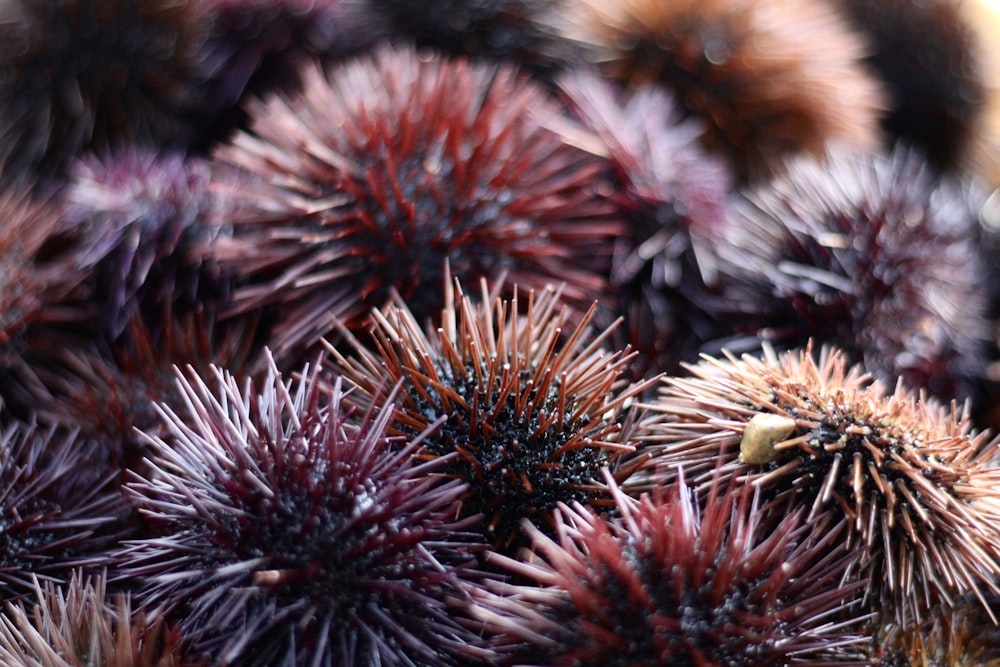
288	531
770	78
671	195
871	253
912	489
77	74
386	167
929	59
534	408
515	31
668	583
60	507
80	624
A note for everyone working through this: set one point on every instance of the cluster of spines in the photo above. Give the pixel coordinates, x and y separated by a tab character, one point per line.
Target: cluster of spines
908	484
66	288
535	408
675	581
284	530
435	160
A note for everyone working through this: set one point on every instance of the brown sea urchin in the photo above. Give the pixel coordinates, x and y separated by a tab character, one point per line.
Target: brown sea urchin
79	623
913	488
387	166
534	407
770	78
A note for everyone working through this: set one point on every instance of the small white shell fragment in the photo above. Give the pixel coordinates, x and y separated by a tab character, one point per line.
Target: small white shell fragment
760	434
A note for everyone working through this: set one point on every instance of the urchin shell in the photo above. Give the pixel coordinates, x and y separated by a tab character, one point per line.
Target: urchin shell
259	47
534	408
669	582
432	160
109	391
769	78
285	531
868	252
79	623
42	304
908	483
78	74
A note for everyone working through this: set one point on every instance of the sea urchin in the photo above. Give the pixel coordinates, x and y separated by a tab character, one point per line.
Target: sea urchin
386	167
287	532
913	490
534	408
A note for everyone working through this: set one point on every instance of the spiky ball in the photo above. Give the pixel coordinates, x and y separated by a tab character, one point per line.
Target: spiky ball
79	74
672	196
930	61
534	408
908	484
669	583
768	78
871	253
520	32
431	160
142	221
260	45
59	505
80	624
287	531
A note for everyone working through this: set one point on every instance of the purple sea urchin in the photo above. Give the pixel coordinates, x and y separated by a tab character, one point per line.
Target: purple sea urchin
260	45
289	532
672	196
769	78
912	489
669	584
59	505
78	74
432	160
870	253
79	624
143	224
534	408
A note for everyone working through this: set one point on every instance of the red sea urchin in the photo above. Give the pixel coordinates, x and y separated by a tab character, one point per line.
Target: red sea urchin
79	624
770	78
871	253
533	410
669	584
914	492
287	531
387	166
78	74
